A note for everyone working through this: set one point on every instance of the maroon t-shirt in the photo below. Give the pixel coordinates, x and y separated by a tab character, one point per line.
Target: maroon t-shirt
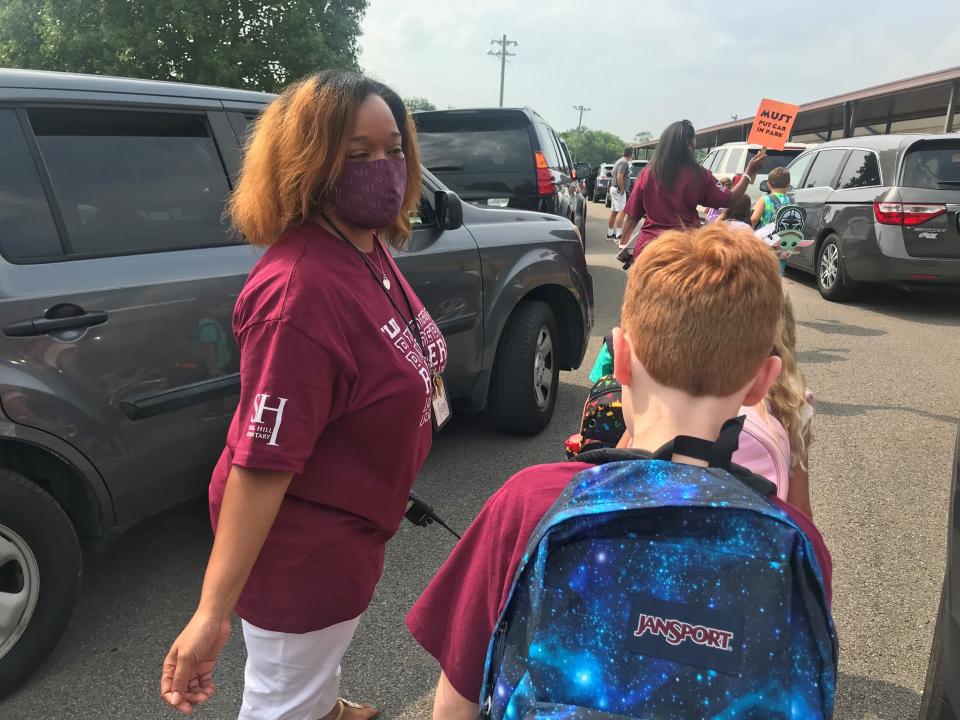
675	208
333	388
454	618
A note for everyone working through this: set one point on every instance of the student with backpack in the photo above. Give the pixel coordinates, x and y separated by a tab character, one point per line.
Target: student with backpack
623	586
777	212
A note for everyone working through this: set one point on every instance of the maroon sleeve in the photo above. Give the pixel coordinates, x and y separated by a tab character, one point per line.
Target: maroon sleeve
712	193
634	207
290	388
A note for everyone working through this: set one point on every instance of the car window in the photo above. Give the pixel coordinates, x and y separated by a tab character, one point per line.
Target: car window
824	168
719	160
734	161
708	160
933	165
27	230
566	155
798	168
477	151
860	170
561	164
130	181
774	159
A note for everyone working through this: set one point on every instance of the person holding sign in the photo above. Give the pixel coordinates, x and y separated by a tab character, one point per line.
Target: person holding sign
670	188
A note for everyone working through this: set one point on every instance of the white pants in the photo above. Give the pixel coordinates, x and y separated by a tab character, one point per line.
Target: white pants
293	676
618	200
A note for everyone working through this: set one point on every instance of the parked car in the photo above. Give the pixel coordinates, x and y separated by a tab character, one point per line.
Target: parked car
604	178
880	209
731	159
636	167
116	267
941	694
505	157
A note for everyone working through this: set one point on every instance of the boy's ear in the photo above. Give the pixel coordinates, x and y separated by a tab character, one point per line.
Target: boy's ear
622	357
765	377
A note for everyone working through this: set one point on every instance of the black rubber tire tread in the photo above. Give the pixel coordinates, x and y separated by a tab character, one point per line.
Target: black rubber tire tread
931	706
513	405
841	290
33	514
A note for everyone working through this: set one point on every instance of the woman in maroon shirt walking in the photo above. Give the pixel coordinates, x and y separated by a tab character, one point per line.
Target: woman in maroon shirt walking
339	363
669	189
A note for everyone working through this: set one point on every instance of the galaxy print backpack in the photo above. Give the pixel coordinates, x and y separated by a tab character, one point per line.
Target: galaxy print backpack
663	591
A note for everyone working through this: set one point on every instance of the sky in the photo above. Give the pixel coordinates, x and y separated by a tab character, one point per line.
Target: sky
639	65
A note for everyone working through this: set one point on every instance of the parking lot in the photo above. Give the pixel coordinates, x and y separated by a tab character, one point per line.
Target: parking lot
885	370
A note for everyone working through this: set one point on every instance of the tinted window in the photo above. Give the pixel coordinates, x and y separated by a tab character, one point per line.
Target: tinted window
824	168
734	160
133	181
774	159
932	164
27	231
477	151
798	168
860	170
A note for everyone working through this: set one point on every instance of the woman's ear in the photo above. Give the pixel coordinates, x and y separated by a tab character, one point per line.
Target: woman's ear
763	380
622	358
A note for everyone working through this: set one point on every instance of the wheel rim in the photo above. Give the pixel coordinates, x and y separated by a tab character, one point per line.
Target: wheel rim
829	265
543	368
19	587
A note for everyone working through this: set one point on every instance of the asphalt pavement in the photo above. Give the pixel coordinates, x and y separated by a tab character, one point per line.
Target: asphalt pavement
885	370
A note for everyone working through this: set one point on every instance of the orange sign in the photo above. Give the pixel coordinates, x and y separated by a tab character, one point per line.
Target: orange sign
772	124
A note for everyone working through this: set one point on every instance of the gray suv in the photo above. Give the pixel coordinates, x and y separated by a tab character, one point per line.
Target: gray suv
118	370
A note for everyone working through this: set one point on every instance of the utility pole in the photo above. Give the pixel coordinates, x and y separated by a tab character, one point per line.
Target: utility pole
582	110
503	54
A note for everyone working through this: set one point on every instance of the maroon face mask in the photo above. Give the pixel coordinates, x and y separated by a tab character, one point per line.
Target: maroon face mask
369	194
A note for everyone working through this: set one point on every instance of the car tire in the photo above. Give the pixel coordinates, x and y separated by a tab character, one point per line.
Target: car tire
934	690
37	540
526	373
831	281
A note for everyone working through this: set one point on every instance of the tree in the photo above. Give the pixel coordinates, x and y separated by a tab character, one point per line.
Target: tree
251	44
418	103
643	136
593	146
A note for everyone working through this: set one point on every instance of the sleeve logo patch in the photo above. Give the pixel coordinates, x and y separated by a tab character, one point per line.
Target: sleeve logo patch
261	429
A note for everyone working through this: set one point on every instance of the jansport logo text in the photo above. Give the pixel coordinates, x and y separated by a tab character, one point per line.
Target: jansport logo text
676	632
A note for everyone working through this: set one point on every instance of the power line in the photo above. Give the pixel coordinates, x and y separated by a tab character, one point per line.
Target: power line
503	54
389	70
582	110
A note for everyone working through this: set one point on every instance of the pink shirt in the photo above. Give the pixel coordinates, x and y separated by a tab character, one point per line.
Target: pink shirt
334	389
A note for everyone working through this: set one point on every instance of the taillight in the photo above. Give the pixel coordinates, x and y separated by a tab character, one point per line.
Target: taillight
894	213
545	184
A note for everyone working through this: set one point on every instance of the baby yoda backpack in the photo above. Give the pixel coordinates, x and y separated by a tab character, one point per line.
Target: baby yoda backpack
663	591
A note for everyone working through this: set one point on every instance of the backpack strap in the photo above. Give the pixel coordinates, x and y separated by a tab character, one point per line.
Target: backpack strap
608	341
718	454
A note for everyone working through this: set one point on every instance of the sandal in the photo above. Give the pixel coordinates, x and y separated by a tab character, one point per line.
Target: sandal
344	704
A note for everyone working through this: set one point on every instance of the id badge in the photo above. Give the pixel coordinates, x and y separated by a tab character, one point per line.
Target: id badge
441	404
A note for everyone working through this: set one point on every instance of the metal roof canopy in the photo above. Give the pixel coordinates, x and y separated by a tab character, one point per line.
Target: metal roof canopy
874	111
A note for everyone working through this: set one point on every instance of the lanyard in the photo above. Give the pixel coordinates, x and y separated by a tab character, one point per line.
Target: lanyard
373	272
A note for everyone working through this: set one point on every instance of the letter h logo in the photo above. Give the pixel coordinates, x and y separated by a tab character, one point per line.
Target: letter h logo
260	406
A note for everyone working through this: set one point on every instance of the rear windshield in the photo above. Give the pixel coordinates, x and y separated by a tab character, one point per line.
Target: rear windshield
475	143
774	159
932	165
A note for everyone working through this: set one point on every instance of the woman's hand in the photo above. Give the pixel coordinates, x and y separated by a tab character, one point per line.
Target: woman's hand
187	677
753	167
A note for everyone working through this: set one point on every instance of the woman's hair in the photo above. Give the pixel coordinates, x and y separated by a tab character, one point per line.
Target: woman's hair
740	210
788	394
673	153
297	151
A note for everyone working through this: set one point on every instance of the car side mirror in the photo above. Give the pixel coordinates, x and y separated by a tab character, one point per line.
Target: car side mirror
583	171
764	186
449	209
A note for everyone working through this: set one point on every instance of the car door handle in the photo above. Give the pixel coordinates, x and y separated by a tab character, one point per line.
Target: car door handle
46	325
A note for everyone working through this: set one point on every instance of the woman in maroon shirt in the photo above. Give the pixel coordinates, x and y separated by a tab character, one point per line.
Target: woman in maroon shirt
670	188
339	363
